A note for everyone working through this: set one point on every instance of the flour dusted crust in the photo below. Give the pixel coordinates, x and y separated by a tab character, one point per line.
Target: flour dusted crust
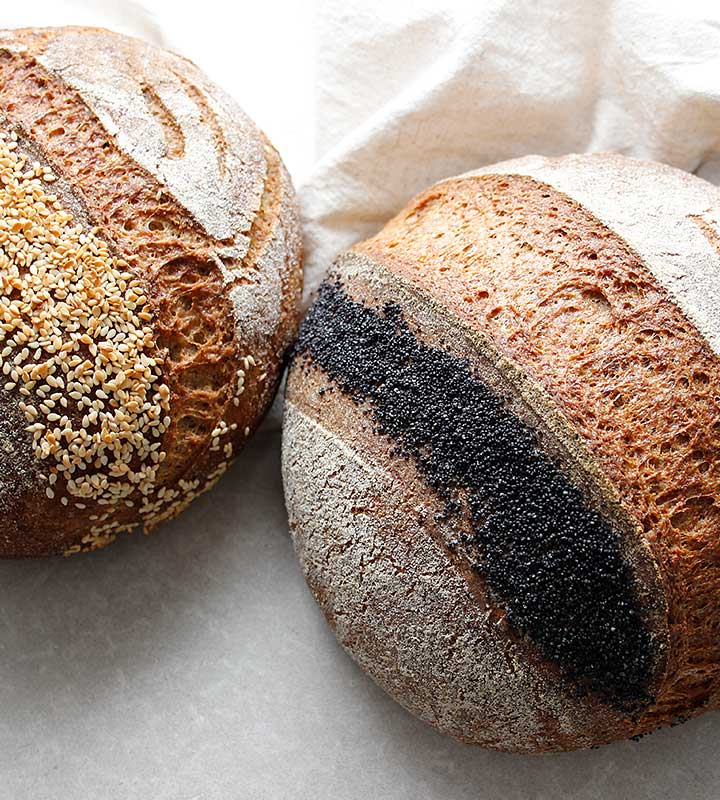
560	268
157	174
166	116
401	608
674	229
372	542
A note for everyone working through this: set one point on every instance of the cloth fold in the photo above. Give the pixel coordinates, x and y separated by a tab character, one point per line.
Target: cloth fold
408	95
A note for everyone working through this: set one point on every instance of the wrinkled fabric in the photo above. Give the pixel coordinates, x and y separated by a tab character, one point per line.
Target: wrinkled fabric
407	96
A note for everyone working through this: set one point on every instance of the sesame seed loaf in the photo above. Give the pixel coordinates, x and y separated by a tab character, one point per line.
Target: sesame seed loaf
150	277
499	452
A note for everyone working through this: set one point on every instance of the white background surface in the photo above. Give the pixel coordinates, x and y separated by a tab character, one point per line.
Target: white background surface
193	664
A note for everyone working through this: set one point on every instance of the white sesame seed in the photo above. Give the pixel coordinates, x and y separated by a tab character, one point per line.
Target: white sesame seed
69	333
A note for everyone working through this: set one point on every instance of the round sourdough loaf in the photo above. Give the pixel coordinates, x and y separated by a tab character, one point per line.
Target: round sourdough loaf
149	285
500	456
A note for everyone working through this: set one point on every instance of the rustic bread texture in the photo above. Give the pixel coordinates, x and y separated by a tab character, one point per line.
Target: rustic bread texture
678	207
402	610
611	343
186	192
382	555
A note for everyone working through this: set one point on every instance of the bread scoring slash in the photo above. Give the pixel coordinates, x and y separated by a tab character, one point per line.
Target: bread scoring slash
499	452
150	285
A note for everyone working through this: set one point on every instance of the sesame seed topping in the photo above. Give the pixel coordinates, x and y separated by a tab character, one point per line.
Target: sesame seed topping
78	357
74	326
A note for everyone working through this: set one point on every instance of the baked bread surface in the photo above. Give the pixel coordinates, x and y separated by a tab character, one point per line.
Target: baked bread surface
499	452
151	283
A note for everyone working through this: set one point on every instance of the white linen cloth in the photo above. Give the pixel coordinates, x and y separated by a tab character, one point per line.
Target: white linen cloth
408	94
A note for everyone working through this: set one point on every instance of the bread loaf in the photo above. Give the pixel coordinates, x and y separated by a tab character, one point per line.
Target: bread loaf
500	455
150	269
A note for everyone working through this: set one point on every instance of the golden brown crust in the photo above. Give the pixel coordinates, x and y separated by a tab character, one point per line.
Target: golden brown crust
535	710
221	372
572	305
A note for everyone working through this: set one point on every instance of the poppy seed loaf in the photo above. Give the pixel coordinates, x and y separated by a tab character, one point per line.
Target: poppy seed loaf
500	450
150	285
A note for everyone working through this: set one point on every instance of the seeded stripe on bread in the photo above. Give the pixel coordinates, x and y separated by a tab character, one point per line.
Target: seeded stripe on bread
435	392
586	322
181	201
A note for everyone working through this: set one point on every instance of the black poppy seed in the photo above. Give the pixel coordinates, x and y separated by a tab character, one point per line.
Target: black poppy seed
554	564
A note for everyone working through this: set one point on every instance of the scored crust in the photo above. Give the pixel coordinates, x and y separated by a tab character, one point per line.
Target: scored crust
190	196
595	325
377	549
546	278
403	611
